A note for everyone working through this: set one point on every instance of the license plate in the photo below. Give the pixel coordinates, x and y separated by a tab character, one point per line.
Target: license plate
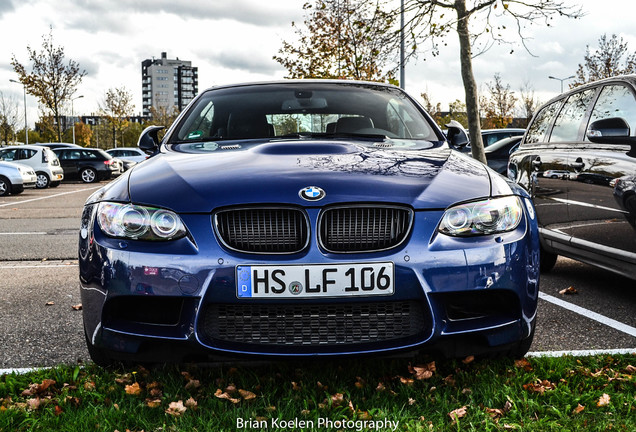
314	280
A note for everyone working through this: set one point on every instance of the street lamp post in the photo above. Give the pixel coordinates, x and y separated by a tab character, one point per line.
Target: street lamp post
561	79
26	127
73	115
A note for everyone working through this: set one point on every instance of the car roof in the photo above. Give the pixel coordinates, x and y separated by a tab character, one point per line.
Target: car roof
26	146
631	79
304	82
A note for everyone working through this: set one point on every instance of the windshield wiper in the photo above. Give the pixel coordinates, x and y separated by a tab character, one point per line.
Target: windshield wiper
370	137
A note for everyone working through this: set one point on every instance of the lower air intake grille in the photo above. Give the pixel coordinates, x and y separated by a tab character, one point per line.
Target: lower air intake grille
320	325
263	230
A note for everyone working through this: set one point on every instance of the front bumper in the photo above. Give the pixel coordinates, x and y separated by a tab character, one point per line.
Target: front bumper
178	300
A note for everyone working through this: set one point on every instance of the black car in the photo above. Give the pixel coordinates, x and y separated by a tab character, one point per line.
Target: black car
498	153
578	161
87	164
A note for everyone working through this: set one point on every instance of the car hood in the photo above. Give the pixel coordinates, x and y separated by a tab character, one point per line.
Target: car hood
276	172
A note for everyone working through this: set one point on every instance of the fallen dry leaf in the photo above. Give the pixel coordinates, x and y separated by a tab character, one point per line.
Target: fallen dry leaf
35	389
49	303
224	395
191	403
33	404
578	409
247	395
406	381
603	400
192	384
458	413
495	413
133	389
176	408
423	372
540	386
153	403
523	364
468	359
568	291
380	387
57	410
77	307
337	399
295	386
360	383
630	369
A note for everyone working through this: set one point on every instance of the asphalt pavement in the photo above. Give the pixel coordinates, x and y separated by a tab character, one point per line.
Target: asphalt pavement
39	288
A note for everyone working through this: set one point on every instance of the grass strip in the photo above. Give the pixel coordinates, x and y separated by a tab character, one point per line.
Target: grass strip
539	394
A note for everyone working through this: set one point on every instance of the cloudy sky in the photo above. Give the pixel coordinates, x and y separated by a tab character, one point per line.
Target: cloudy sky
234	41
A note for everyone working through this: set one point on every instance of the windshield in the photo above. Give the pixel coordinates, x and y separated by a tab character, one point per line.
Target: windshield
303	109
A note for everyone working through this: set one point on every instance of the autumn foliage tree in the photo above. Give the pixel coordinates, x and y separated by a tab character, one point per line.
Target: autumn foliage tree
50	79
478	25
340	39
611	58
117	108
498	105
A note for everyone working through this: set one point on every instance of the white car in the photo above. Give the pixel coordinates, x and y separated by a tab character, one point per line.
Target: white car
43	161
15	177
128	153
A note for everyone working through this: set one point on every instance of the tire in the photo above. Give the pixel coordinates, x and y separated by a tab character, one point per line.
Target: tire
547	260
43	180
523	347
99	356
88	175
5	186
54	184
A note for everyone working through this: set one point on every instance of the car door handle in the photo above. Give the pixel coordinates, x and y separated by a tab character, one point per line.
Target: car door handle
578	164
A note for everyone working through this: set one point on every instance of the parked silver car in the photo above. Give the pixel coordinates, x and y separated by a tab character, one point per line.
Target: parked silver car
43	161
15	177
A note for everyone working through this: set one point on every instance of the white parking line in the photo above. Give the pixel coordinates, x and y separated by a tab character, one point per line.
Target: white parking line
47	197
23	233
15	266
581	353
617	325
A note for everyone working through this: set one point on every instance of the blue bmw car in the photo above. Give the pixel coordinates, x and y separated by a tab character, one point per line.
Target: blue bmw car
306	218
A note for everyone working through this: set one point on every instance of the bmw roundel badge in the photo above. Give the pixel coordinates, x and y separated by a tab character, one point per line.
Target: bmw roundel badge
312	193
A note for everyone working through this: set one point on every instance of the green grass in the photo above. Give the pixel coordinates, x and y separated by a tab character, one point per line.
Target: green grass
542	394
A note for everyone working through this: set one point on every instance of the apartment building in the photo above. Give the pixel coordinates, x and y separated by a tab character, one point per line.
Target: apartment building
167	84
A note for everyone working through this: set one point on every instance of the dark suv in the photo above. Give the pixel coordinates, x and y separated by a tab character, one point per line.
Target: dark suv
89	165
588	211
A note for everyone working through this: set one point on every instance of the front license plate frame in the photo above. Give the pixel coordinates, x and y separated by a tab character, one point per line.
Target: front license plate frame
306	281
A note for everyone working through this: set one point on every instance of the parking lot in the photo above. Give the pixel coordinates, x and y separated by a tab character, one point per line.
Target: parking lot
39	293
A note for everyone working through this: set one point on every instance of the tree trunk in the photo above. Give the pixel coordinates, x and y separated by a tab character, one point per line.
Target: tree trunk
472	99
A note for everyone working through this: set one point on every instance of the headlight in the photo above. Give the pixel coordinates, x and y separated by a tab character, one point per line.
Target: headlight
482	217
139	222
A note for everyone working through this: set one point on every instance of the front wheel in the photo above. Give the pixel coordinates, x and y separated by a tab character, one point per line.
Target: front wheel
547	260
88	175
43	180
5	186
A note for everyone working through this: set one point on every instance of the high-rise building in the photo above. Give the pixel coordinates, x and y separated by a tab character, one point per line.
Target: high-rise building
167	84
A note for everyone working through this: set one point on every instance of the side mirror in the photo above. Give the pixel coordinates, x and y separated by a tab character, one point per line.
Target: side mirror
148	140
456	135
614	130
